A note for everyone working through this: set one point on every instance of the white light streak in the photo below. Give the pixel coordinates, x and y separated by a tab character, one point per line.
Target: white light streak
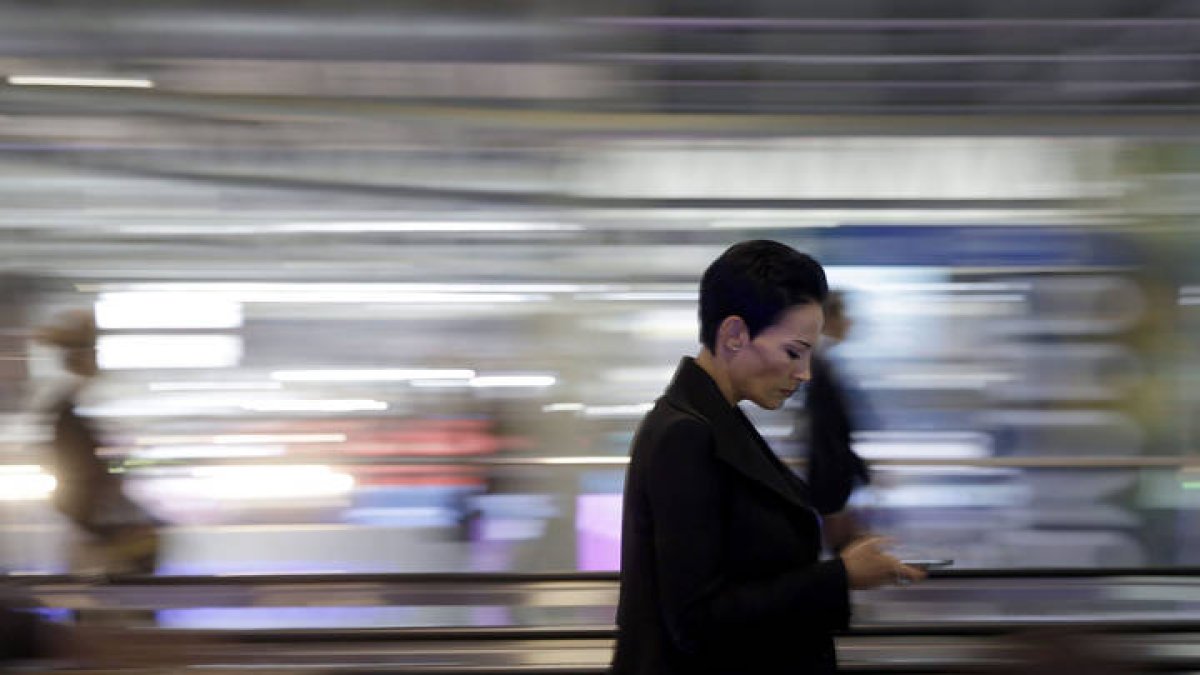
63	81
265	483
215	386
315	405
372	375
634	410
123	311
127	352
491	381
25	482
563	407
240	439
208	451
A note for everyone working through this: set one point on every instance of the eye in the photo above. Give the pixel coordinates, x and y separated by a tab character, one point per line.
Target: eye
793	353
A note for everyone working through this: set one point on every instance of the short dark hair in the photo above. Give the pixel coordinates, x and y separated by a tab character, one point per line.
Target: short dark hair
757	280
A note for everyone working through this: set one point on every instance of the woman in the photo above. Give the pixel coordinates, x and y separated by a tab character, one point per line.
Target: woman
119	537
720	569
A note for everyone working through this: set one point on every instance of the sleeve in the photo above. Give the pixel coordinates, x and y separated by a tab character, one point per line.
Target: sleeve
834	469
701	602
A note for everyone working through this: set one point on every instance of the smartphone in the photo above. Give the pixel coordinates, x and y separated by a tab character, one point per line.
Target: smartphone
929	564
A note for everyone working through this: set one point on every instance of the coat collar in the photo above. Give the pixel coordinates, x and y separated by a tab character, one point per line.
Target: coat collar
737	442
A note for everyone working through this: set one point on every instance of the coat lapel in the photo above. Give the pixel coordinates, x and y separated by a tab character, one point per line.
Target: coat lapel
737	442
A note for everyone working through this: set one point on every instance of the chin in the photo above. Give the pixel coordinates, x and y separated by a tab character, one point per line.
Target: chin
769	404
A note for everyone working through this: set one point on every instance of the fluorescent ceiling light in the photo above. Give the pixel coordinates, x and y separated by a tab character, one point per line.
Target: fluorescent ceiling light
315	405
167	406
465	227
227	287
214	386
594	459
414	293
127	352
260	483
58	81
514	381
240	439
208	451
645	296
385	297
639	375
441	384
422	226
25	482
944	445
373	375
634	410
166	310
563	407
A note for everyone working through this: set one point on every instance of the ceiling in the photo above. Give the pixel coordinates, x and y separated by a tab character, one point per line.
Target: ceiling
262	115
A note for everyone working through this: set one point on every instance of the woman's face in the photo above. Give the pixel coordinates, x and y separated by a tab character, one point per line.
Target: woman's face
771	366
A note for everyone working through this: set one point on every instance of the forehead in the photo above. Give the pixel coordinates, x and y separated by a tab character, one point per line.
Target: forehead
799	322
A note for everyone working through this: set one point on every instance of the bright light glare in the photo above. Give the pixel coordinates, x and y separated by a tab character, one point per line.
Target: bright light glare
120	352
384	375
241	439
315	405
208	451
215	386
441	384
233	288
259	483
513	381
635	410
25	482
563	407
166	310
58	81
922	445
421	226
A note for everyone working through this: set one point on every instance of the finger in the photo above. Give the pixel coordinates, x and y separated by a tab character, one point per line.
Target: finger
910	573
874	543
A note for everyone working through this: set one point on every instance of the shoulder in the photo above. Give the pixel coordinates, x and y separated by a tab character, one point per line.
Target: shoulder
669	429
668	416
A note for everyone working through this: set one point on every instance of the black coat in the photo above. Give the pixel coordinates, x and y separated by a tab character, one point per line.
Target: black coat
720	547
834	470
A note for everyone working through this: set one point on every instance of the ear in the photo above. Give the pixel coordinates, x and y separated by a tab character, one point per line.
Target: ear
733	335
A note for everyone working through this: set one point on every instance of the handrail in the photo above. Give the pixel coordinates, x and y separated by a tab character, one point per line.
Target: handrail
515	578
542	633
620	461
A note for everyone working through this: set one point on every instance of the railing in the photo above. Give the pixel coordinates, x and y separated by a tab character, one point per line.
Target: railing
1144	639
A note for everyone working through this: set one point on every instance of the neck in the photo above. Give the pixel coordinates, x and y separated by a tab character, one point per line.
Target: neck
718	371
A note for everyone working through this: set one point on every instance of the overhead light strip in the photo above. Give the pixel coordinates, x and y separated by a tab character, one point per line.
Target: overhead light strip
55	81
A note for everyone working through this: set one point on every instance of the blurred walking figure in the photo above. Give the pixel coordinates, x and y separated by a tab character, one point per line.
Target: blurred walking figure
116	535
836	409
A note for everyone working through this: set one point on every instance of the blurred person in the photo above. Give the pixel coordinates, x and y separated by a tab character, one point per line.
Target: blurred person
116	535
835	409
720	557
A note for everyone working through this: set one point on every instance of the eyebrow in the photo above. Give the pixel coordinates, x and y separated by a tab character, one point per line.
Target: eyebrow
803	342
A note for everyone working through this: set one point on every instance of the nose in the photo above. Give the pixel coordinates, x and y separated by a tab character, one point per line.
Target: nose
803	372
